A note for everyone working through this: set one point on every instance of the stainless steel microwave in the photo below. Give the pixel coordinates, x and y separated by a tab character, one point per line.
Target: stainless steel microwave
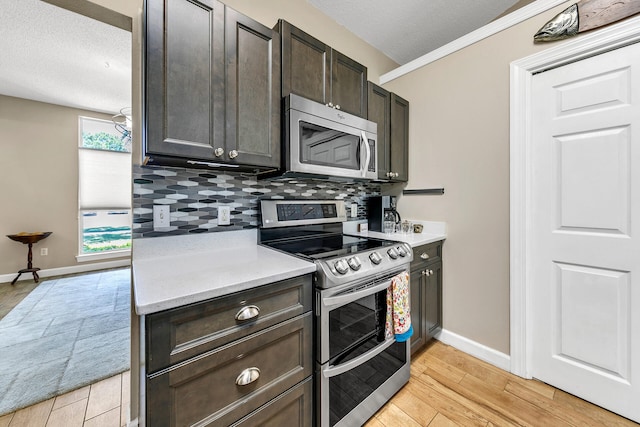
325	141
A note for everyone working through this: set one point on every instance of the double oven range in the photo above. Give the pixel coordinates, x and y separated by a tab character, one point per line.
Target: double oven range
358	367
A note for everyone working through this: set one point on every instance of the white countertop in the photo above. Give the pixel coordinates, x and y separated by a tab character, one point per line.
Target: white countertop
432	231
172	271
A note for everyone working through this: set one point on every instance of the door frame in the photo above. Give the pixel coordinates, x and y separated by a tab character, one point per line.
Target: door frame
522	72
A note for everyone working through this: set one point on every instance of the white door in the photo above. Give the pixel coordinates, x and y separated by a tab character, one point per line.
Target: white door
585	248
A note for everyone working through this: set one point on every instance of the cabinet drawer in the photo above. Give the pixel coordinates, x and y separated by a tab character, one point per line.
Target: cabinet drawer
203	390
178	334
293	408
426	254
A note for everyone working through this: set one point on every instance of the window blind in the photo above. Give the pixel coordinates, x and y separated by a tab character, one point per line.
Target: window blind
104	179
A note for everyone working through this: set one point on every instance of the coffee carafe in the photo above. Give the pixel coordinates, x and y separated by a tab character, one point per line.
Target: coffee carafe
381	210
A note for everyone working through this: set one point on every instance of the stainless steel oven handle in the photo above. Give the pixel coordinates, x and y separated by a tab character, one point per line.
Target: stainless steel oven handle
354	363
353	296
367	149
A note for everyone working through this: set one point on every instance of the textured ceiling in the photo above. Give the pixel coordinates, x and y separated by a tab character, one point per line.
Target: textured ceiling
52	55
407	29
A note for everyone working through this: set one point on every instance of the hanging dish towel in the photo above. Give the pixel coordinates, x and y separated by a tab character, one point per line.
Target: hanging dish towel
398	320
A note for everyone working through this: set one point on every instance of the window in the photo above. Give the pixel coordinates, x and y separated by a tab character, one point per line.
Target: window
104	184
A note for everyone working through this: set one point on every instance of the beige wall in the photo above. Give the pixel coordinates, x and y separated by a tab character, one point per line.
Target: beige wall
459	140
39	181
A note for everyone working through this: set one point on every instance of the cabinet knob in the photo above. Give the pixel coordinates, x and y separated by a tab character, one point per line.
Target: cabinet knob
389	174
424	255
337	107
247	313
430	272
330	105
233	154
218	152
248	376
424	272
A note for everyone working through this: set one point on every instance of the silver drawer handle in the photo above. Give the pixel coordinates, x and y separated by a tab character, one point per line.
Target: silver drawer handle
424	255
248	376
247	313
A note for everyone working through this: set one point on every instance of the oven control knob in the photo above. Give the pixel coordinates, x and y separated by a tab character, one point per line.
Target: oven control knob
341	266
401	251
393	254
354	263
375	258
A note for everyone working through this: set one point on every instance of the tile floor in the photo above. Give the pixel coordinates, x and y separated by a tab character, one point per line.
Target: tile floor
102	404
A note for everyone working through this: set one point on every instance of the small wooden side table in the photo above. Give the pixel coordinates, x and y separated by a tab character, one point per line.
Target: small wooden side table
29	239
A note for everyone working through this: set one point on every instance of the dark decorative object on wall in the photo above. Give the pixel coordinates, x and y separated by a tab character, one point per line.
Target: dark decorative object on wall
194	195
586	15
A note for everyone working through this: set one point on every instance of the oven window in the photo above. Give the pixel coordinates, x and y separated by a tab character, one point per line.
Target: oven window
327	147
349	389
354	324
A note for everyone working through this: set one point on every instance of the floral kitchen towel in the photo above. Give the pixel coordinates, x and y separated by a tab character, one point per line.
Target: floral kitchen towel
398	320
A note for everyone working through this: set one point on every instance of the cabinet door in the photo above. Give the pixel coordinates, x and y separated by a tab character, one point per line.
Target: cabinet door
305	64
399	139
433	299
379	111
348	84
292	408
253	92
417	296
184	65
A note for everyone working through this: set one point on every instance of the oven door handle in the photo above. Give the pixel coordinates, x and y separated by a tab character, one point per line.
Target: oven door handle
354	296
354	363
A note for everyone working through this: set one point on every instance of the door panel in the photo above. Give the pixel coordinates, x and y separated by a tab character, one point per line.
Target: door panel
585	248
594	163
592	305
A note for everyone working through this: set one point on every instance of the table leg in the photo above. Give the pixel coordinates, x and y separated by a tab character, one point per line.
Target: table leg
16	279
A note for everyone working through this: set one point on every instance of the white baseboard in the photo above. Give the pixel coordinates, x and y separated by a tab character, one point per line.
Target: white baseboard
481	351
60	271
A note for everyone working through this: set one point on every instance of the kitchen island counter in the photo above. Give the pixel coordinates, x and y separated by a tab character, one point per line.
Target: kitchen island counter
173	271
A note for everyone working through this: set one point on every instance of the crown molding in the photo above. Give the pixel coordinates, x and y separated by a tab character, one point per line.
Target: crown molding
507	21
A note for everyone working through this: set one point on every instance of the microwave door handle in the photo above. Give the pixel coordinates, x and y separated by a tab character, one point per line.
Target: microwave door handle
354	296
367	149
354	363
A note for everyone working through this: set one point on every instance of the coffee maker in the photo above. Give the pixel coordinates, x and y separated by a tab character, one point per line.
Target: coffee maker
380	208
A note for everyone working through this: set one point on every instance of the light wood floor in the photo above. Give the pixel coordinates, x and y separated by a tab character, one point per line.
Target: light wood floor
447	388
451	388
11	295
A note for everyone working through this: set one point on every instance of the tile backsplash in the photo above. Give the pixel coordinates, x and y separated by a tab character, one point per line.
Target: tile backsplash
194	195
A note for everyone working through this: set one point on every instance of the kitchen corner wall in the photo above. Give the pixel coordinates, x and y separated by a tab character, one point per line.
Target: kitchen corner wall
194	195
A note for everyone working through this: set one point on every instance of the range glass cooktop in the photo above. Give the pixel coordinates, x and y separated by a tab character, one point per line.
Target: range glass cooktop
329	246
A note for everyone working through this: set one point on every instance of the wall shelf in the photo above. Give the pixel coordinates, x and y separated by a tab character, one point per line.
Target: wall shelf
432	191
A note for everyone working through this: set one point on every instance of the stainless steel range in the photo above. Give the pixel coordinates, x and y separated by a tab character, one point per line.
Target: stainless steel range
358	368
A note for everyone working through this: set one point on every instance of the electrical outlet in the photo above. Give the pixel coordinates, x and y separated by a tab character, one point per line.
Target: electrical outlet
224	215
354	210
44	251
161	217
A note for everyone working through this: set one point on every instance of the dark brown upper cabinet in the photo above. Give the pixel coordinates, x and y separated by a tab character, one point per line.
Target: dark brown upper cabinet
253	91
314	70
391	113
210	91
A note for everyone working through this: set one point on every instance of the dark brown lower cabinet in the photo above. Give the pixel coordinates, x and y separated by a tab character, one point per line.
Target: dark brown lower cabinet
292	408
262	376
426	293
